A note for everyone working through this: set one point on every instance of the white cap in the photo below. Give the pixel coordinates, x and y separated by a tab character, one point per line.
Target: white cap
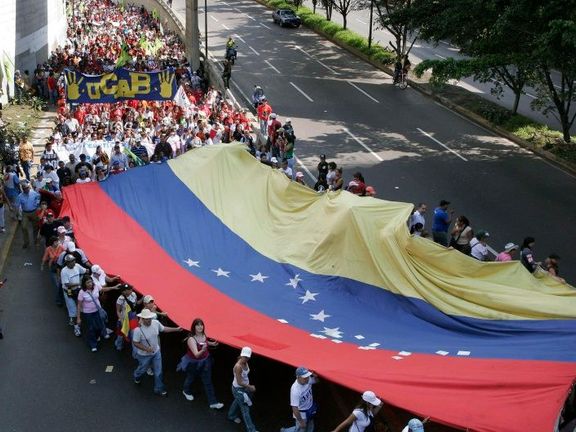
96	269
246	352
370	397
147	314
148	298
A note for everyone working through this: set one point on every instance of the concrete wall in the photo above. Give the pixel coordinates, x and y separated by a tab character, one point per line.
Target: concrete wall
31	29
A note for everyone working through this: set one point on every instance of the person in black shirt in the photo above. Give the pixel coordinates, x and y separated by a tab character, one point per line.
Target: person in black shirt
83	164
323	167
49	227
63	171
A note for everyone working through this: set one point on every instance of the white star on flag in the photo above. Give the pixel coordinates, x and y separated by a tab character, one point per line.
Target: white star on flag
258	277
332	332
294	281
320	316
219	272
308	296
192	263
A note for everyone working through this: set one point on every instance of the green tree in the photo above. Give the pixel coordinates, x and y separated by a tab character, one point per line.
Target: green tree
391	15
328	6
344	7
511	43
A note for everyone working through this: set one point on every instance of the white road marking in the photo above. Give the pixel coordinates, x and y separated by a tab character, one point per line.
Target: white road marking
530	95
109	369
227	4
264	25
363	145
233	98
361	22
214	18
439	56
225	26
442	144
239	37
315	59
314	179
445	43
300	90
272	66
491	133
254	51
362	91
242	93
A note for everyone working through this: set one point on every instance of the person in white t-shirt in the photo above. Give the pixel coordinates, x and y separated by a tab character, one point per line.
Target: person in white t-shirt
418	216
479	247
363	415
302	401
146	341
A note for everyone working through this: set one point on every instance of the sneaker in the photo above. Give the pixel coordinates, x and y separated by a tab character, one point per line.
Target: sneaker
188	396
237	420
2	230
217	405
137	381
150	372
71	322
77	331
163	393
94	349
247	399
109	332
106	336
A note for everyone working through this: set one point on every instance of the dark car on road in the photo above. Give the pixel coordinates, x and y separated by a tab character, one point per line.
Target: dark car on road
286	18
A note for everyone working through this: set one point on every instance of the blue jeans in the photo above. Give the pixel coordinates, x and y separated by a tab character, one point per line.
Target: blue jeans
70	304
240	405
93	328
202	368
144	363
308	428
26	168
291	164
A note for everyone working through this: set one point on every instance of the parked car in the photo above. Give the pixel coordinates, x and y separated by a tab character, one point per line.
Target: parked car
286	18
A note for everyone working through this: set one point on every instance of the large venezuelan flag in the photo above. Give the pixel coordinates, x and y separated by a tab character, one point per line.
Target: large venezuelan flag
335	282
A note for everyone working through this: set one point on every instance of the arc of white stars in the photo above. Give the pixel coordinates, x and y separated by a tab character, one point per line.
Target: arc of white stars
192	263
258	277
332	332
219	272
308	296
320	316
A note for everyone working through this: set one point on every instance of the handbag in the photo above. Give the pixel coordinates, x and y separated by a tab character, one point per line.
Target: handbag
101	312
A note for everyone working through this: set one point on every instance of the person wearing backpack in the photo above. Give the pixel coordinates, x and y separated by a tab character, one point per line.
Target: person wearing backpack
362	418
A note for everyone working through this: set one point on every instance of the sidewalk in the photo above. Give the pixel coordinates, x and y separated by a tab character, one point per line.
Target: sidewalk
38	138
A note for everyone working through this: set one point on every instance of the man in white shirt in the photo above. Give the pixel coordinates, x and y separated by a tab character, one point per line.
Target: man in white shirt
302	401
146	342
479	248
418	216
175	142
71	276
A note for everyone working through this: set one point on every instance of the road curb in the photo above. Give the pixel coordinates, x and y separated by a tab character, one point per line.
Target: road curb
7	244
473	117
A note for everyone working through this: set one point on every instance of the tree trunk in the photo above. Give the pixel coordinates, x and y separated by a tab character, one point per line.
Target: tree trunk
344	21
517	95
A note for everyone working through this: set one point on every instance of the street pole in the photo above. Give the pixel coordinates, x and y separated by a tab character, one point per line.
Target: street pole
192	34
370	29
206	30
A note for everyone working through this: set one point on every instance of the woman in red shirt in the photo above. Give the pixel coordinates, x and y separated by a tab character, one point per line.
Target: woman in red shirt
200	363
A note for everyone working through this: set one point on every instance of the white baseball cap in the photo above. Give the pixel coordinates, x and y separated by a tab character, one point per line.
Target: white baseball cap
246	352
370	397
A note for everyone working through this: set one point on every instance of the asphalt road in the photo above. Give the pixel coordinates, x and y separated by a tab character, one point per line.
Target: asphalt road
407	146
